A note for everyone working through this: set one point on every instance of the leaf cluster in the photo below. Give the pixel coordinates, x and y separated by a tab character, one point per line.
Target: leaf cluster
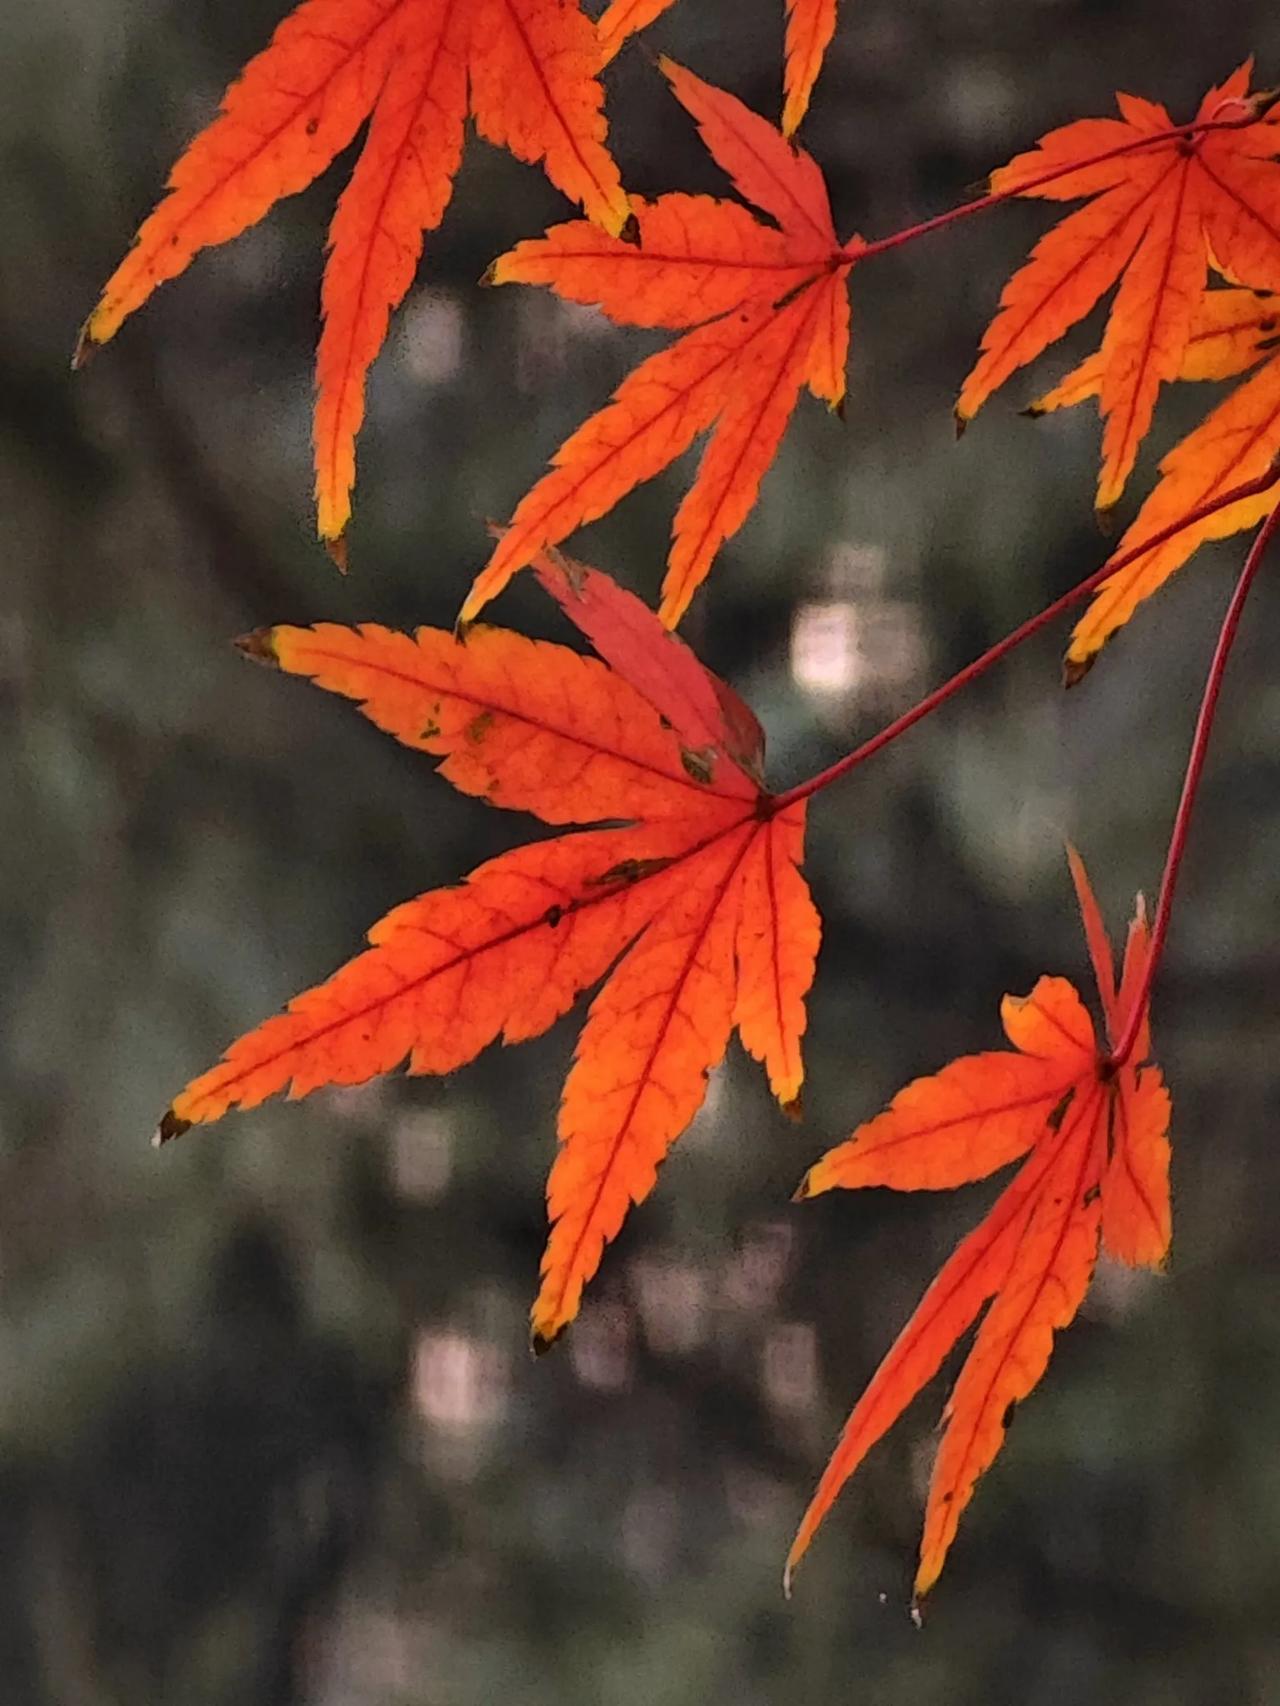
678	894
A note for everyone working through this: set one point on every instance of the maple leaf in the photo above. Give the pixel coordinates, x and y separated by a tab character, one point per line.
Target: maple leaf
697	903
1162	203
1096	1168
769	312
526	70
1237	443
810	27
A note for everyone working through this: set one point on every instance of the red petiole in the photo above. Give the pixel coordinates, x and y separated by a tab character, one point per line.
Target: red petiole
856	250
993	655
1191	782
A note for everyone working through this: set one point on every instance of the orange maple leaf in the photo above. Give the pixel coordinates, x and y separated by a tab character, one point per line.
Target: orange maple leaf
526	70
1097	1166
1162	205
1238	442
810	27
697	904
769	311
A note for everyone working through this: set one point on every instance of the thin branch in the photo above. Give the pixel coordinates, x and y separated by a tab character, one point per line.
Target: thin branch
1002	648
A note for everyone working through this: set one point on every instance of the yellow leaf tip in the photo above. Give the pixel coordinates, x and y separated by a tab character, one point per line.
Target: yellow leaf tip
170	1126
472	605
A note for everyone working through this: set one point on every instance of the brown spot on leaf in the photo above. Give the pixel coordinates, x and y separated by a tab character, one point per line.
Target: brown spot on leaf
629	871
1059	1113
699	763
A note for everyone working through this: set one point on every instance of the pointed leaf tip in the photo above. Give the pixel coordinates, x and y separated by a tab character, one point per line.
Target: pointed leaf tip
260	646
1074	670
337	549
540	1342
170	1126
87	346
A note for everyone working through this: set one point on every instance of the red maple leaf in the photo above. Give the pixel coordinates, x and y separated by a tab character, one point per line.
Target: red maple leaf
769	309
1095	1166
694	912
1163	201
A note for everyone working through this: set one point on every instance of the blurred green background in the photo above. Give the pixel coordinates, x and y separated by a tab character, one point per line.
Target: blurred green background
269	1431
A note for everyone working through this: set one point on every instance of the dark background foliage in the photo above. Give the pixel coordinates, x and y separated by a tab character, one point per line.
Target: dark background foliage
269	1432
